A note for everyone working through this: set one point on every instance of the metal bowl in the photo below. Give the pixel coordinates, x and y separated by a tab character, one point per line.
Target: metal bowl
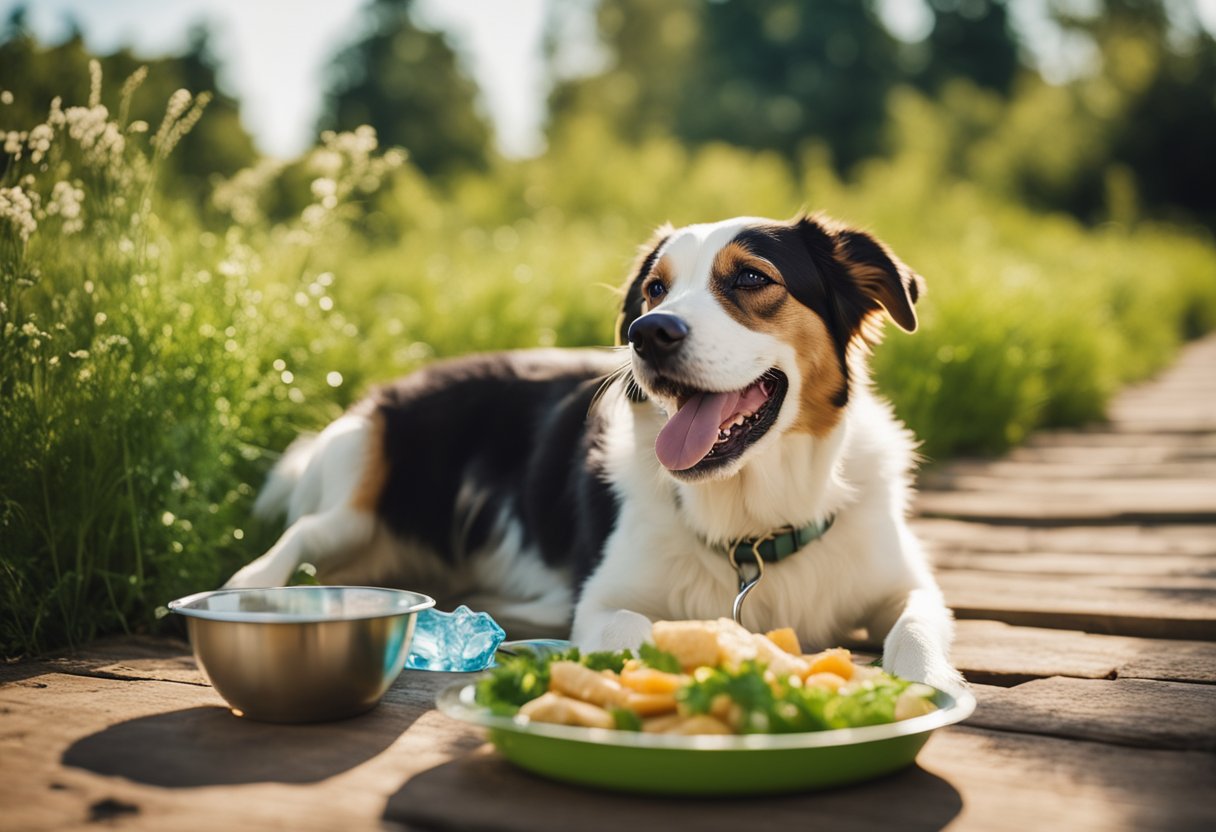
302	653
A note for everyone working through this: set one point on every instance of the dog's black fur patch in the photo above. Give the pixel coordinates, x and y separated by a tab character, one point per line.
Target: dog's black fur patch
469	439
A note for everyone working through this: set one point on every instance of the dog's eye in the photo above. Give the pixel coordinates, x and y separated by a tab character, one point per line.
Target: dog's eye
656	290
749	279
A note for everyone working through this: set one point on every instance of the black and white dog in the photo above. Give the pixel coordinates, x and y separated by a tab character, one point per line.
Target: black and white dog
606	489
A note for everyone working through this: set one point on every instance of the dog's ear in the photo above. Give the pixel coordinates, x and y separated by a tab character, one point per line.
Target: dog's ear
876	278
631	304
880	275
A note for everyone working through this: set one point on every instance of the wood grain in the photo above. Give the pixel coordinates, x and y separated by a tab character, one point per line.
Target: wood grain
1139	712
995	653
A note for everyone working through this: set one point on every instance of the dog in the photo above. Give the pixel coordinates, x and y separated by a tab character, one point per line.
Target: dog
592	492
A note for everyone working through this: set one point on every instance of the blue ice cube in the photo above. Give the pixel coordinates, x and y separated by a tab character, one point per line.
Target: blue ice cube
460	640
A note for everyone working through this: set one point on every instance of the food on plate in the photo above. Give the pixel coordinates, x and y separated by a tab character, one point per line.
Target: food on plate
703	677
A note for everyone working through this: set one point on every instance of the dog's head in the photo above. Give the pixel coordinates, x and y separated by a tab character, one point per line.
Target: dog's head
743	330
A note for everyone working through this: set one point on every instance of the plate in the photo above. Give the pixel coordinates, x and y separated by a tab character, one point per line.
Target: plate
631	761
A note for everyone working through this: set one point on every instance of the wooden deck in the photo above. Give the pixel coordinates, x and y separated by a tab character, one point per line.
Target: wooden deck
1082	568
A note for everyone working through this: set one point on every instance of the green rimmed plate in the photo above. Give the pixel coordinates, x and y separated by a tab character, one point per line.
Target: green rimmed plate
706	765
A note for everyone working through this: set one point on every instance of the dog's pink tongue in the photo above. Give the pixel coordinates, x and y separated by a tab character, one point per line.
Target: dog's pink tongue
688	436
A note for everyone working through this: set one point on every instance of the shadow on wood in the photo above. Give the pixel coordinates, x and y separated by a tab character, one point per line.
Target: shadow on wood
211	747
508	798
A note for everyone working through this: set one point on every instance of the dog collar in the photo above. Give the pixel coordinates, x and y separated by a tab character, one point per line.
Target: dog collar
776	545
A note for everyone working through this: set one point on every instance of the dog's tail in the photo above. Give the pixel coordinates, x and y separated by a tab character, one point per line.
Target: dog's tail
278	495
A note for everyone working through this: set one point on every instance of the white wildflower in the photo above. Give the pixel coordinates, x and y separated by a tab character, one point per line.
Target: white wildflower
326	162
66	200
56	118
128	91
184	125
94	83
18	209
40	142
324	187
6	97
140	126
100	139
13	142
178	102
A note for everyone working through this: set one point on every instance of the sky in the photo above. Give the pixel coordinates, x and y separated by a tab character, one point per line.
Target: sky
274	53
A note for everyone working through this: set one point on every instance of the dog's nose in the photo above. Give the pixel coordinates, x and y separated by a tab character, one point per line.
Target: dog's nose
657	335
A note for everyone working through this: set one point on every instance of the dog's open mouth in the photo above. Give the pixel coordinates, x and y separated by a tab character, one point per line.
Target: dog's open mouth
711	429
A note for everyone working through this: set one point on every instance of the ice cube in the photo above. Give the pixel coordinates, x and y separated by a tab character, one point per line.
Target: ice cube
460	640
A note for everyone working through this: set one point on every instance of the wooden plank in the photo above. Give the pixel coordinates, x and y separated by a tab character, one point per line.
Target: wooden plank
1101	437
1006	507
1138	712
156	755
994	653
954	475
162	659
1060	564
1201	588
945	534
1070	605
1145	451
965	779
1123	493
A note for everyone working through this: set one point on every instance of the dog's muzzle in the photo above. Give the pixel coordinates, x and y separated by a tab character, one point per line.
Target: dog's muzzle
657	336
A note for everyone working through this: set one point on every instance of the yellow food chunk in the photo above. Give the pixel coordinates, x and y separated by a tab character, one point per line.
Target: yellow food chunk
824	680
693	643
649	680
562	710
574	680
786	639
838	660
650	704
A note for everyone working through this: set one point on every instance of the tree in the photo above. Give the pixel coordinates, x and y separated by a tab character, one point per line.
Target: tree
973	40
406	82
763	74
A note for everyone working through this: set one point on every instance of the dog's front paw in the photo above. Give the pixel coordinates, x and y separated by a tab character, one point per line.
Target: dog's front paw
917	662
624	630
259	573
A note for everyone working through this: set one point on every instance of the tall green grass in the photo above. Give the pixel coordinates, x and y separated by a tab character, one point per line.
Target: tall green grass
156	356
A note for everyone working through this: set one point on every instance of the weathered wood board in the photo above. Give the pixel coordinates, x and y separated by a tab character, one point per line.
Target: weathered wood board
995	653
1140	712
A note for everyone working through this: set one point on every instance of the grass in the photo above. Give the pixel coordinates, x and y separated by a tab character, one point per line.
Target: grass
155	357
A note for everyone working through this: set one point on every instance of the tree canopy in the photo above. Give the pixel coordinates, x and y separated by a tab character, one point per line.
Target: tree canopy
407	83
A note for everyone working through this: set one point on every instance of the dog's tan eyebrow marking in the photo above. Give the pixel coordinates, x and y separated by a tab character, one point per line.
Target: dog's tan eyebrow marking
748	308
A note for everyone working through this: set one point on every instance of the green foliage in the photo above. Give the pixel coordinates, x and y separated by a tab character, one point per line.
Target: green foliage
607	660
515	681
652	656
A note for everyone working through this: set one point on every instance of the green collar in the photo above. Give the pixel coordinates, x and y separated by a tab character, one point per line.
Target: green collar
776	545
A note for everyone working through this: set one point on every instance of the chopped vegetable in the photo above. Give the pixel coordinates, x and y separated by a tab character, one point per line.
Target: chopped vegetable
743	683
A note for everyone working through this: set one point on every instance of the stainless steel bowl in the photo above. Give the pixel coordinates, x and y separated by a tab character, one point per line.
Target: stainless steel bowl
302	653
